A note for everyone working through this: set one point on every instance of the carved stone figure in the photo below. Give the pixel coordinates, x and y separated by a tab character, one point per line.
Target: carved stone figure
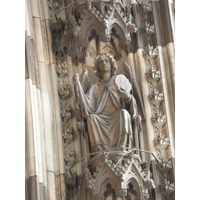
108	107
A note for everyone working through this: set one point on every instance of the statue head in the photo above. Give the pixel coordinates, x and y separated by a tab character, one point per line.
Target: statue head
104	63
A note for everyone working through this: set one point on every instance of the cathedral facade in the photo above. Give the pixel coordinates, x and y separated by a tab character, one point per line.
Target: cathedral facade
99	99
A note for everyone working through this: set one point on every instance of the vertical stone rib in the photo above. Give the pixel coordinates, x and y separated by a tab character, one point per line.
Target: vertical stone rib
39	40
33	99
171	5
171	58
29	20
46	107
29	134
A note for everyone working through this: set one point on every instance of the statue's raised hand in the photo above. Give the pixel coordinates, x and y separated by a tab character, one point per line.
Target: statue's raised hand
123	94
76	78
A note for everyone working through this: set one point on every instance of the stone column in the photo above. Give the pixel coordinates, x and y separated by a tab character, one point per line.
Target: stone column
32	71
171	9
46	107
30	161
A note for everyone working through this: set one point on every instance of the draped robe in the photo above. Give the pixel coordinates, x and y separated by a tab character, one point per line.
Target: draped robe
108	116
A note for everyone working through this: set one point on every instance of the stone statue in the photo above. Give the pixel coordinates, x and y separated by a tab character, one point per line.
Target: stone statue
108	107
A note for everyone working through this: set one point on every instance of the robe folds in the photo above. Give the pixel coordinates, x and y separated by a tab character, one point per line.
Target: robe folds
108	116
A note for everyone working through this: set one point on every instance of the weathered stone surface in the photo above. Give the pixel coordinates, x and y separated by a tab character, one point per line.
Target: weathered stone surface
39	40
32	188
29	134
51	186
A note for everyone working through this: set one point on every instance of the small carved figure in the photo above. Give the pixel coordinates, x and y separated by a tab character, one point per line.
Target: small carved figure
107	108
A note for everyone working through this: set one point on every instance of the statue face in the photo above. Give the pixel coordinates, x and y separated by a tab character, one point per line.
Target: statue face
104	64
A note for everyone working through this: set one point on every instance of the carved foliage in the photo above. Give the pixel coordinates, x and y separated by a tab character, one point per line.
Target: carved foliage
70	154
149	31
164	167
158	122
68	133
153	76
161	144
166	188
146	7
67	113
65	93
156	99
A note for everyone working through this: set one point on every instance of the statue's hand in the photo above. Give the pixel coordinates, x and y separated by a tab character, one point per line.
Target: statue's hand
75	78
137	119
123	94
